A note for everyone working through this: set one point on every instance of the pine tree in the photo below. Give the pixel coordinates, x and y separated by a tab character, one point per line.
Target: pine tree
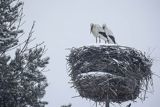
22	83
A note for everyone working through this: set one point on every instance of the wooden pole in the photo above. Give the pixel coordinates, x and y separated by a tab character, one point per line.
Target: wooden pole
107	101
107	104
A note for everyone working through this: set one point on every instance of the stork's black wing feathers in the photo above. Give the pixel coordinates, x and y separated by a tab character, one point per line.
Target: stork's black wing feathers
104	34
113	39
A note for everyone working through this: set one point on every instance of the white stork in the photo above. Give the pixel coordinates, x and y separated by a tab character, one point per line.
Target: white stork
109	34
98	32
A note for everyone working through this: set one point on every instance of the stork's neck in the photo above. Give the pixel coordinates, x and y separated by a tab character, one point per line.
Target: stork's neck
105	28
91	27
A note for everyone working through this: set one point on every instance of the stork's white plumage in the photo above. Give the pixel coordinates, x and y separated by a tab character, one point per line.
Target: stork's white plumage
96	29
109	34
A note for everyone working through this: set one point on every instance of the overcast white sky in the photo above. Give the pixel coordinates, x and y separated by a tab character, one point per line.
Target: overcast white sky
66	23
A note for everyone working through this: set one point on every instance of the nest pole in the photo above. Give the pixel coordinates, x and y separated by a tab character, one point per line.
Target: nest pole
107	104
107	101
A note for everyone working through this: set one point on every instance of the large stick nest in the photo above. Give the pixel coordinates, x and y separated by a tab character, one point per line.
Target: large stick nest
114	73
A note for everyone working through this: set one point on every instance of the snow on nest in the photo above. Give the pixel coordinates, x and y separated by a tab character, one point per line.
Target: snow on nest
95	74
99	44
98	74
103	44
94	44
92	74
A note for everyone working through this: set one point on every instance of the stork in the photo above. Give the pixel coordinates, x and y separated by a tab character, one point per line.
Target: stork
109	34
94	30
97	31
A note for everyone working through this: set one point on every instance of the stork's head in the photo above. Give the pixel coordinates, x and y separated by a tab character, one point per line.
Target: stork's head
104	26
91	27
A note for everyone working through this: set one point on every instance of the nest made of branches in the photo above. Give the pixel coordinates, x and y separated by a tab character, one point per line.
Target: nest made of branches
115	73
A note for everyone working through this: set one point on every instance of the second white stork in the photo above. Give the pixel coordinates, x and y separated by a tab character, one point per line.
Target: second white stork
109	34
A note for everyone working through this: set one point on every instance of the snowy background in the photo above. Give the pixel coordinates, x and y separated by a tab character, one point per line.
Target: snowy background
64	24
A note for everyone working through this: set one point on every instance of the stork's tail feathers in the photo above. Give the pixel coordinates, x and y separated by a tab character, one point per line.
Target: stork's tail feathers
129	105
104	34
112	38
